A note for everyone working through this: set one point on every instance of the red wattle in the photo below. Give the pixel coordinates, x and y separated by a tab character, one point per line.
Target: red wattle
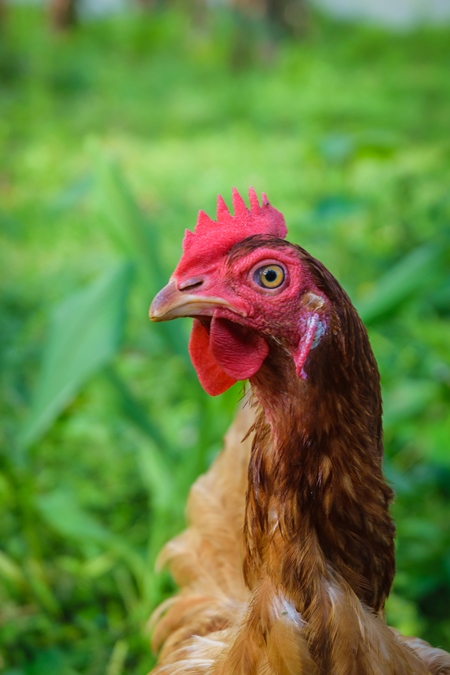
212	377
226	353
238	350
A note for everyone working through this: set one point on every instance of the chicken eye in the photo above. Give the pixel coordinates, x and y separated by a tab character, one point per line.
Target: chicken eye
269	276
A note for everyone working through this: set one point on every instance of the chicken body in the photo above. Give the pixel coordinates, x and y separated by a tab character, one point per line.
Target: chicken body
289	556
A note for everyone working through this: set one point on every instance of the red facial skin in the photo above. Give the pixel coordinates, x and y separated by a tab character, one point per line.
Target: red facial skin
234	343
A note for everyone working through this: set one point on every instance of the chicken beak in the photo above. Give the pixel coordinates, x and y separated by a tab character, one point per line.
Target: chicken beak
172	303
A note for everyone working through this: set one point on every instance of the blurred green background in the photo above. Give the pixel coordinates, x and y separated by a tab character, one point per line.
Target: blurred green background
113	133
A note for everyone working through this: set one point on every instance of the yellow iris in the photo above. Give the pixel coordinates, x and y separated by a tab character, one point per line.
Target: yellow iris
270	276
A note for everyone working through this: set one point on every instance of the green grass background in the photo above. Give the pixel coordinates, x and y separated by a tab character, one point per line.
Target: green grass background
111	138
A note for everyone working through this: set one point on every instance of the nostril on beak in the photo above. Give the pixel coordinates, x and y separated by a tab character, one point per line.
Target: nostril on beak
190	284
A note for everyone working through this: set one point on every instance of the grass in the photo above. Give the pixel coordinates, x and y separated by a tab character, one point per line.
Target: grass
112	137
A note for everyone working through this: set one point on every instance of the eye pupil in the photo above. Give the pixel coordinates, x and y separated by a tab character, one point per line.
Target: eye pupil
270	276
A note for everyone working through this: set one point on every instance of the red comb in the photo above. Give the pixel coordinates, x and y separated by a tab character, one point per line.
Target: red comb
214	238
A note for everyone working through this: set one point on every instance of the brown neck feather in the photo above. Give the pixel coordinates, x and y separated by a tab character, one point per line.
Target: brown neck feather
317	503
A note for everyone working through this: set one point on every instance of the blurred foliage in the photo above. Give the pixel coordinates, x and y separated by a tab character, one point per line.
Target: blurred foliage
103	423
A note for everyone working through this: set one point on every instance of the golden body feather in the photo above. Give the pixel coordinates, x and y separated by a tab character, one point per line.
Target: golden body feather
216	625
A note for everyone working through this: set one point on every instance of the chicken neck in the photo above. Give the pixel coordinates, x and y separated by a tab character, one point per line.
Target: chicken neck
317	502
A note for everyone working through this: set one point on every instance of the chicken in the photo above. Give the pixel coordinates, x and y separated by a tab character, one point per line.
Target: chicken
289	555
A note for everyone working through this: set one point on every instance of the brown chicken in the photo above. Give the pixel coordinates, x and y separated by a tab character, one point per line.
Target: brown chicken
289	555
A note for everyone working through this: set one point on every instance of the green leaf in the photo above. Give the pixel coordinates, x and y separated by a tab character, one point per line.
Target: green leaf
116	663
71	195
435	435
133	409
10	570
37	578
127	223
403	615
64	514
409	275
408	399
85	333
48	662
156	476
139	238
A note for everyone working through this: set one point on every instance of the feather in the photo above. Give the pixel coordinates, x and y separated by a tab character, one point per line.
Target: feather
216	626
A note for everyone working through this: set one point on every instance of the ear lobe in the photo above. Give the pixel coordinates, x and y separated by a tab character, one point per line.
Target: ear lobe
313	329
